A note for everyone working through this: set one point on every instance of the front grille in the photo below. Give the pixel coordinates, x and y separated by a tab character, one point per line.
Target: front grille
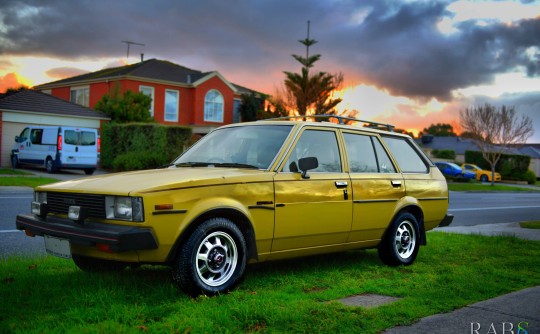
60	203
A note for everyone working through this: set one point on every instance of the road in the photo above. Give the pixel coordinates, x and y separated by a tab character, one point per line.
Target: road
468	209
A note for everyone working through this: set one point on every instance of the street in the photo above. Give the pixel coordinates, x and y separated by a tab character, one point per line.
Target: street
468	208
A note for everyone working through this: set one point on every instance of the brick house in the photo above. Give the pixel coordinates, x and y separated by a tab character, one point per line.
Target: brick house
180	96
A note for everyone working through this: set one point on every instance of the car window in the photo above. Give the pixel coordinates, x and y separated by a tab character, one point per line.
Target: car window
255	145
383	160
406	156
361	153
319	144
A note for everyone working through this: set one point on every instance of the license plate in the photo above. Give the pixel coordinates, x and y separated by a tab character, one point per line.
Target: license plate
57	247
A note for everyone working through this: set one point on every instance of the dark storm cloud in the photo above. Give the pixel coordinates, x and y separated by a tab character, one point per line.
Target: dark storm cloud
392	44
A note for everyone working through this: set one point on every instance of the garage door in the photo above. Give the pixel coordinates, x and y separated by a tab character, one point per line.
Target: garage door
9	131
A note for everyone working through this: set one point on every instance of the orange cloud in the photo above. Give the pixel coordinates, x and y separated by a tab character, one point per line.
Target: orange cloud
12	80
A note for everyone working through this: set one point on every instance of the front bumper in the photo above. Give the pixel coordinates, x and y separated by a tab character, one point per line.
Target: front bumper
447	220
119	238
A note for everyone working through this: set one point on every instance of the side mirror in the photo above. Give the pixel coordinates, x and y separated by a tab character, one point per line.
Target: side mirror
305	164
16	139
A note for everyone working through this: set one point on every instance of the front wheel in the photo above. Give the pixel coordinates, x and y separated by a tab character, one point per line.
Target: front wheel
400	243
49	166
14	162
484	178
212	260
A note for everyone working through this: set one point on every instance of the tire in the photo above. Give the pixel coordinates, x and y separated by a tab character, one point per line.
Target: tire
484	178
49	166
93	265
14	162
212	260
89	171
401	242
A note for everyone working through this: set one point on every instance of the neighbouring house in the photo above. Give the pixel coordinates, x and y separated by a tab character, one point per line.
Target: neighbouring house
180	96
31	107
459	145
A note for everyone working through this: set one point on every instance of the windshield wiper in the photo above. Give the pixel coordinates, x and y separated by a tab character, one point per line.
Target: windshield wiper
193	164
233	165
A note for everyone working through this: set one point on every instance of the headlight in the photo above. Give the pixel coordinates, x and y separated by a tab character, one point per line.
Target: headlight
124	208
40	196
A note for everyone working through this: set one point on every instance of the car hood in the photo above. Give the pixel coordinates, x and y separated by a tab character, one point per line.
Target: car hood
139	182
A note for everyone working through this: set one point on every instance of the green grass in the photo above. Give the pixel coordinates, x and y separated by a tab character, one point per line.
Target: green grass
6	171
42	295
23	181
487	187
531	224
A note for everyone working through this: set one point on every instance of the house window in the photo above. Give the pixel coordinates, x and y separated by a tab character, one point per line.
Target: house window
213	106
236	110
147	90
80	95
171	105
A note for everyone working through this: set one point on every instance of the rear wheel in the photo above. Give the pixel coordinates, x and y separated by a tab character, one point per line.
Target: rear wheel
484	178
212	260
49	166
400	244
89	171
90	264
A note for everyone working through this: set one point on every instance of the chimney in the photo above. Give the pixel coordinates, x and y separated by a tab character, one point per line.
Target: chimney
142	57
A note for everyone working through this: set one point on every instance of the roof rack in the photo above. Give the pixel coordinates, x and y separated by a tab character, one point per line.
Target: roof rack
341	120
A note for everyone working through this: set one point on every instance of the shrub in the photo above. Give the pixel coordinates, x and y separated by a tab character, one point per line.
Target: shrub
136	146
444	154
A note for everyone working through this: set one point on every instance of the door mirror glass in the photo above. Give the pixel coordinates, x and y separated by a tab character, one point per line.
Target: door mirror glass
305	164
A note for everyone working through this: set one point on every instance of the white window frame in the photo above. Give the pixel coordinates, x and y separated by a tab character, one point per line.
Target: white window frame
177	106
85	101
151	91
213	118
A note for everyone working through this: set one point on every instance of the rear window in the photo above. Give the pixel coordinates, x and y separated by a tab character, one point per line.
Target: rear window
407	157
80	138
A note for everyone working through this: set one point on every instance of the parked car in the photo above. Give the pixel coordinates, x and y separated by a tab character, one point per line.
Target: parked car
481	174
57	147
451	169
257	192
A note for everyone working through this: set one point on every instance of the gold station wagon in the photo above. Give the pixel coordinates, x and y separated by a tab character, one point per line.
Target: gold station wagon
255	192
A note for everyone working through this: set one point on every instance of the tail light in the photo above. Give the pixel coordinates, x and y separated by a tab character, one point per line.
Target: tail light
99	144
59	144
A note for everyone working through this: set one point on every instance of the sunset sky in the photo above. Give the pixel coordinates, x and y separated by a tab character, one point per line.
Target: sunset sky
409	63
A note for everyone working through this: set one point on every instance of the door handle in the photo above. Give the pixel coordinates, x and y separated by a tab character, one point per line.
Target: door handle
396	183
341	184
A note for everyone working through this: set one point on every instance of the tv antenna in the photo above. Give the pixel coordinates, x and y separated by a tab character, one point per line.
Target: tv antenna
129	43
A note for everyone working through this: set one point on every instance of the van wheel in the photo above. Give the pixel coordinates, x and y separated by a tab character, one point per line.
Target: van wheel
212	260
49	166
89	171
92	265
14	162
400	244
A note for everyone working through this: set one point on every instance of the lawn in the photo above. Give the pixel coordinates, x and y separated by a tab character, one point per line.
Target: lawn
532	224
43	295
25	181
6	171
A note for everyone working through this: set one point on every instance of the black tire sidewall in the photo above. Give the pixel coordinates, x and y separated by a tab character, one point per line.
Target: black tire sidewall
185	268
387	250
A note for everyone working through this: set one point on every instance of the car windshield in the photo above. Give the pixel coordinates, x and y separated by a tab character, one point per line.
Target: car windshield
250	146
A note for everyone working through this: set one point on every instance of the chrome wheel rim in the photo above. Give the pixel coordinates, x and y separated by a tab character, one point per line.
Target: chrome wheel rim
405	239
216	259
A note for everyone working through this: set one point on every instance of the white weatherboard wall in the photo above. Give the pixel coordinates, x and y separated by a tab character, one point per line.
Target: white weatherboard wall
14	122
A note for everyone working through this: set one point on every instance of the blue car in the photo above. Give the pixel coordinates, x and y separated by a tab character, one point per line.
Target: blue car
451	169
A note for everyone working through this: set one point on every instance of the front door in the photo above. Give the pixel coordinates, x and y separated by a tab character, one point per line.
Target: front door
314	211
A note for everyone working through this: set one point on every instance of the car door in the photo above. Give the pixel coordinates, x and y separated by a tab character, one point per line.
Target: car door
376	186
315	210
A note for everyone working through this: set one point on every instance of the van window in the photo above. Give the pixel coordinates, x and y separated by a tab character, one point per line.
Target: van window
24	135
36	135
406	156
79	138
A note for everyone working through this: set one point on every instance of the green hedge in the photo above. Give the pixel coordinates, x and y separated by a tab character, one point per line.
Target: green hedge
444	154
135	146
511	166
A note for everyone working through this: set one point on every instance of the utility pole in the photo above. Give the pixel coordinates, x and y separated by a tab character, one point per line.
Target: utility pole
129	43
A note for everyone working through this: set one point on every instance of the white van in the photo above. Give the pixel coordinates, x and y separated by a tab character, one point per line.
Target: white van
57	147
